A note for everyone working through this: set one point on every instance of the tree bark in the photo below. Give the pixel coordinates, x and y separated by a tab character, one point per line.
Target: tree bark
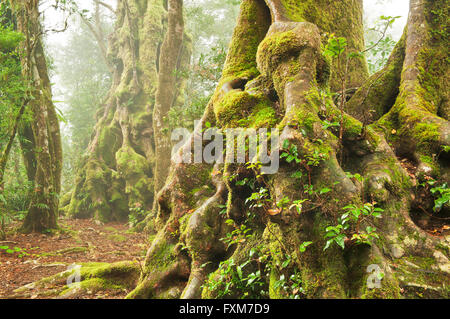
171	54
276	53
46	147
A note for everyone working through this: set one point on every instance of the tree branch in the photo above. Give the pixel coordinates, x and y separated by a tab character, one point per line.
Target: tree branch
107	6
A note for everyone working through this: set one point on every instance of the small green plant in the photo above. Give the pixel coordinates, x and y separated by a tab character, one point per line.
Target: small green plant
137	214
231	276
312	158
239	235
260	198
290	152
349	223
298	205
304	245
378	51
441	193
291	286
13	250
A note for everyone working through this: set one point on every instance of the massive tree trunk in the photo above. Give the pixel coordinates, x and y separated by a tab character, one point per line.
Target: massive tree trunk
117	173
275	75
44	144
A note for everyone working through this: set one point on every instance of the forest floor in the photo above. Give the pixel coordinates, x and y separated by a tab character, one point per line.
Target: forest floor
78	241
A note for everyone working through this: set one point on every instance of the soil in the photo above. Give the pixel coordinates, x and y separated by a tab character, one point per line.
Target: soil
78	241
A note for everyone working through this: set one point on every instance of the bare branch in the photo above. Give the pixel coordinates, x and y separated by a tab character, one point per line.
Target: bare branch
109	7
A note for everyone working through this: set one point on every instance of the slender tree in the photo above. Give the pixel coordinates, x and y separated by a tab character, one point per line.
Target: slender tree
43	151
166	93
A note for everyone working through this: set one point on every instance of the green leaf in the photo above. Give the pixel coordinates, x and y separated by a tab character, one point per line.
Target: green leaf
304	245
324	191
340	240
327	244
239	271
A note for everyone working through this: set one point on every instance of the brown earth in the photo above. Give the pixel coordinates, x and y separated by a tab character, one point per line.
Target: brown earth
78	241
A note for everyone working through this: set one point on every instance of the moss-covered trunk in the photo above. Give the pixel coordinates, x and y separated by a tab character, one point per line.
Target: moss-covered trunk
44	146
167	92
118	170
276	76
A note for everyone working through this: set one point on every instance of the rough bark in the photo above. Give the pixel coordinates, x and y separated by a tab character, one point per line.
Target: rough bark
166	94
46	148
118	171
275	57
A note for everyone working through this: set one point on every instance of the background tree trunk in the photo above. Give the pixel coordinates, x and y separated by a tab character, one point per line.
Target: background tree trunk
275	63
118	172
169	62
45	144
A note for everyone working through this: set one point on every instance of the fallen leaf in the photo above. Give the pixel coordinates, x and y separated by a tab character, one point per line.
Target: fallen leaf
273	212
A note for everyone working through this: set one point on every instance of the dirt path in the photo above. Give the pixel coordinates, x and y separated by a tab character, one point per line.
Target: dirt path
78	241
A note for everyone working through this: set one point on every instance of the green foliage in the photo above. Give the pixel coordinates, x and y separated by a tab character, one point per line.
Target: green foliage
379	43
440	193
136	215
13	92
335	46
13	88
21	252
443	196
290	152
202	77
304	245
349	224
259	198
230	276
240	234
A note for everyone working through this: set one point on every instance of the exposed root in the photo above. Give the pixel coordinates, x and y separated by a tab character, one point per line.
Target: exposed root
88	278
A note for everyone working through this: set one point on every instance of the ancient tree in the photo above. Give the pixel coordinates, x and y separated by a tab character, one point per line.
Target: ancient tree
118	170
308	229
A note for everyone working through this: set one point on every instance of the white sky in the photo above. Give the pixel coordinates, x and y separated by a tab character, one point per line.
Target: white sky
373	9
376	8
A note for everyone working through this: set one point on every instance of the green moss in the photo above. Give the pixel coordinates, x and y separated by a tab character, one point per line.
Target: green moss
262	115
117	238
92	286
109	141
277	47
342	18
420	278
275	293
427	135
130	163
252	25
234	106
162	256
